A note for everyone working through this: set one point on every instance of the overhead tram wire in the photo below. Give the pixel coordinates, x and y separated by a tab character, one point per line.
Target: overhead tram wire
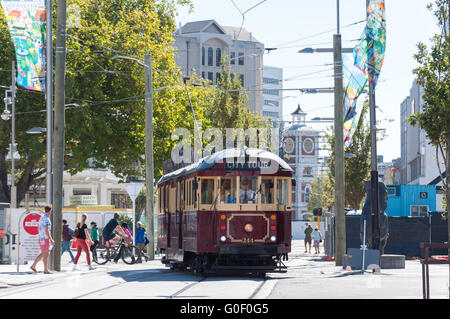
243	13
280	46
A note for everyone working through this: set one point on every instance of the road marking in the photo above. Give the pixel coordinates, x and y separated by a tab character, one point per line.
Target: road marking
264	290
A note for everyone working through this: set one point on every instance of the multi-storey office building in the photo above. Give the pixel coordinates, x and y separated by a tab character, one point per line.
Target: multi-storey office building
201	45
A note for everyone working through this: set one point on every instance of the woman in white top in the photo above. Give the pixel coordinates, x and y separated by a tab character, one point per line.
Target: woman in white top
317	237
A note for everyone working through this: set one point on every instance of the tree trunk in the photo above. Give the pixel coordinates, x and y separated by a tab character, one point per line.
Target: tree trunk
447	199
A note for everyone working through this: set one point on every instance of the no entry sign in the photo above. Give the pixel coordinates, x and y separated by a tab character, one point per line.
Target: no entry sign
29	247
31	223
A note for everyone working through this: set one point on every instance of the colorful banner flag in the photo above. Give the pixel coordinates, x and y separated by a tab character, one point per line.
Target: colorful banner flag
368	60
27	22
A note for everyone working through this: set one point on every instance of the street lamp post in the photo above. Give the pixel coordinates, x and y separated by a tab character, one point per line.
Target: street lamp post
339	205
10	98
147	64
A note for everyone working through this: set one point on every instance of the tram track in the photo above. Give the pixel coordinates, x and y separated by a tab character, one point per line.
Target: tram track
261	291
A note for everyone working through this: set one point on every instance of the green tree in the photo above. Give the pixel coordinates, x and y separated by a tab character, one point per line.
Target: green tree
357	168
109	125
229	106
433	74
322	193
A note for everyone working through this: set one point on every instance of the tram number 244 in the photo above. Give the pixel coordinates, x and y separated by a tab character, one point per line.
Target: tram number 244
248	240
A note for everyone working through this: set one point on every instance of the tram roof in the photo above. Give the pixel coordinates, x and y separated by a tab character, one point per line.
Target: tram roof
211	160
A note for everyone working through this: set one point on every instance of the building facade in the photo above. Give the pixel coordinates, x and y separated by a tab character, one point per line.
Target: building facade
273	92
301	152
418	162
201	45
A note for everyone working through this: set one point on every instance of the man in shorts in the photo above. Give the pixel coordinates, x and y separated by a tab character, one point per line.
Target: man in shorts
109	233
45	240
308	237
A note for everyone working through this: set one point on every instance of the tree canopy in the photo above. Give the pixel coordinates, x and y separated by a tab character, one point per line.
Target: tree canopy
109	123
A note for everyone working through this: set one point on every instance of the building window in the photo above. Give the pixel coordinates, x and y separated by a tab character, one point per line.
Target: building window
233	57
210	57
241	77
218	57
217	78
307	172
415	169
241	58
203	55
419	211
271	92
271	81
203	74
211	76
271	103
273	115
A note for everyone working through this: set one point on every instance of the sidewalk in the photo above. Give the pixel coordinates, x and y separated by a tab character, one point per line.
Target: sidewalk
310	277
10	277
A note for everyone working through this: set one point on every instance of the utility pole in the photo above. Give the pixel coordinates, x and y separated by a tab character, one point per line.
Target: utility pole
374	209
13	134
339	206
49	102
59	128
149	155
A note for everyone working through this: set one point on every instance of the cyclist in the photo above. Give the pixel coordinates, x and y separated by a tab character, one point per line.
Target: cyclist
111	229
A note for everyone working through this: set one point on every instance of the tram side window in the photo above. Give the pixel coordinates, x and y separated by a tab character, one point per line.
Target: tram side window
267	190
282	192
182	195
247	193
188	191
161	199
207	191
166	198
228	190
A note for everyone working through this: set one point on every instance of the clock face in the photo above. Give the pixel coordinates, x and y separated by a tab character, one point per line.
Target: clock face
289	145
308	145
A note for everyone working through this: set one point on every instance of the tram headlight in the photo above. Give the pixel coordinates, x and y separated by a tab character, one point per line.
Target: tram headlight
223	238
273	238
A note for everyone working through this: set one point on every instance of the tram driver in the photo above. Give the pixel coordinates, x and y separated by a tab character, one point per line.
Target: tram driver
247	193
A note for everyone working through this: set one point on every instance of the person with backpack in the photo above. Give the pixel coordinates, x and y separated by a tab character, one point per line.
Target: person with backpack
67	234
82	235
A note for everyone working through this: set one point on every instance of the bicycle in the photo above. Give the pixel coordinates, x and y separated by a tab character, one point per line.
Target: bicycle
103	253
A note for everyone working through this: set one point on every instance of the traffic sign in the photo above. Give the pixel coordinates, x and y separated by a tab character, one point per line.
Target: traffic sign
133	189
31	223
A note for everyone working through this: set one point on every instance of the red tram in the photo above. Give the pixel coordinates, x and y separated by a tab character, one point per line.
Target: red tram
231	211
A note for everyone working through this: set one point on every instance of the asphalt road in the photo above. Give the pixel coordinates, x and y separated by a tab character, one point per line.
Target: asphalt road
308	277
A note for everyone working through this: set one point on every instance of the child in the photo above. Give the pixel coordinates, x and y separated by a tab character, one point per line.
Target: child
94	238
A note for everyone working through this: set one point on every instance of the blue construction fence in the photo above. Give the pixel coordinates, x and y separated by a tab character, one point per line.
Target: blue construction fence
405	234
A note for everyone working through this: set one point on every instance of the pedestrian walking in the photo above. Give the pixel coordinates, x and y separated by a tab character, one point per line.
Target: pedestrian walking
140	239
308	239
94	238
317	237
67	233
46	241
82	235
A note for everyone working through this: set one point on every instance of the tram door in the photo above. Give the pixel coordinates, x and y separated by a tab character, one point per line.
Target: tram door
167	213
180	192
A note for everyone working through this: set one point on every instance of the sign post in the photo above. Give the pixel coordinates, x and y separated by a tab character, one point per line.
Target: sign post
133	190
28	231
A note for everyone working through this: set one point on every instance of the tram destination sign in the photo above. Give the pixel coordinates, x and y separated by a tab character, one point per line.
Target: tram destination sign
248	166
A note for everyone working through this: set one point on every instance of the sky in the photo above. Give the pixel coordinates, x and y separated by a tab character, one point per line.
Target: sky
292	25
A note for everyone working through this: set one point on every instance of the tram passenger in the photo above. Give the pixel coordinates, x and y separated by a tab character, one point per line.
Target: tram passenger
227	195
247	195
